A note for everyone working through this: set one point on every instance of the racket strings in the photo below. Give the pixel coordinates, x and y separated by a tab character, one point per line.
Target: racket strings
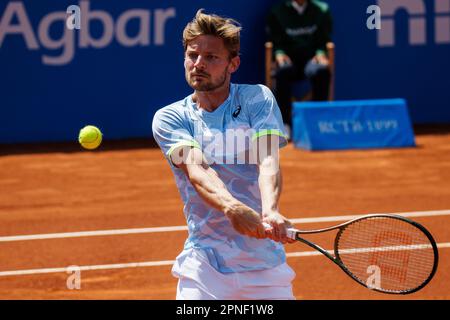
385	253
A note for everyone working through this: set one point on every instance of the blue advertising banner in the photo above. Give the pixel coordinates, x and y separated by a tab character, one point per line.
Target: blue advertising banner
126	60
352	125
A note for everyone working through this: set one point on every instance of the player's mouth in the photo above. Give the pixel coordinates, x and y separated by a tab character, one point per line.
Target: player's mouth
196	75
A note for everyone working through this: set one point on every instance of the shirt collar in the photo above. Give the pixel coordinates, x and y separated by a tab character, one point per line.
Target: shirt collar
300	9
227	101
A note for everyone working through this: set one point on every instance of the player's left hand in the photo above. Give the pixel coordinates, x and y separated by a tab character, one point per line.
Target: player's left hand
278	224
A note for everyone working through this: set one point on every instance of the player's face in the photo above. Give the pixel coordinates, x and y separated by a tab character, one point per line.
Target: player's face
207	63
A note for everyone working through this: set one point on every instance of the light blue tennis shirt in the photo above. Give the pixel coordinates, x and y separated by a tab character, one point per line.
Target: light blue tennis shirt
224	136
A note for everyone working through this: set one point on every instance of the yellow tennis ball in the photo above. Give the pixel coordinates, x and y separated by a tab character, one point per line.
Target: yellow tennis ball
90	137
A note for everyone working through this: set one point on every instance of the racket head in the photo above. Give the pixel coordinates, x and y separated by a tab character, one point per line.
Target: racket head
387	253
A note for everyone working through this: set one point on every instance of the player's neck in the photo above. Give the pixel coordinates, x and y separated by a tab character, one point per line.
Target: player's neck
211	100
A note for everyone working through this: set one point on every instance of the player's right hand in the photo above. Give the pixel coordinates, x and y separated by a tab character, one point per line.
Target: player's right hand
246	221
276	226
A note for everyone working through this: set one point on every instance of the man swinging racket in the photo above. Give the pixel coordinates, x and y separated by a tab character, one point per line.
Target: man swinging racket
222	145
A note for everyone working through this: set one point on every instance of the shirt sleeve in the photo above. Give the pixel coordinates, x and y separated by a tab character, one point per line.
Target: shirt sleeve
323	34
266	116
171	132
276	34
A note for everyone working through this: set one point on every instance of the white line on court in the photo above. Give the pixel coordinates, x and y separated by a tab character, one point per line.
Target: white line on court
147	264
91	233
350	251
184	228
87	268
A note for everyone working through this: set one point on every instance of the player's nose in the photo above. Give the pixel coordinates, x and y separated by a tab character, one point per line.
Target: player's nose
200	63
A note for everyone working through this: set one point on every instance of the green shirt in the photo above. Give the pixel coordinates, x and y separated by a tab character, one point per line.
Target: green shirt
292	32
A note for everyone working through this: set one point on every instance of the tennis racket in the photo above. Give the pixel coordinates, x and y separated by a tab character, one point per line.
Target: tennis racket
383	252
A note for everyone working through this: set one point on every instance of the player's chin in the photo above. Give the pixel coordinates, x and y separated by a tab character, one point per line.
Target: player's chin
200	85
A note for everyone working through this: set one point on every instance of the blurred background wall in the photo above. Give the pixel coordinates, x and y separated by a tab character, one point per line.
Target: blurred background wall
126	61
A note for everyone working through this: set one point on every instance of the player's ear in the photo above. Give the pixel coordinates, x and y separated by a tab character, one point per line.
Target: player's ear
234	64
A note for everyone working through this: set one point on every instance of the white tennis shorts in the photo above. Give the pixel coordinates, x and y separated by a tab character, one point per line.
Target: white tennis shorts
198	280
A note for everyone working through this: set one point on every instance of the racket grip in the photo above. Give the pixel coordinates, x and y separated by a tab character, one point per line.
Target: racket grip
290	232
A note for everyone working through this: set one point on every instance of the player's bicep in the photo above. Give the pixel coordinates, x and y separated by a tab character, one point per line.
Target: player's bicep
266	149
190	160
184	153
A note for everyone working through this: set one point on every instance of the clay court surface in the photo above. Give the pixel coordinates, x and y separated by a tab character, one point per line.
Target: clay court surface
61	189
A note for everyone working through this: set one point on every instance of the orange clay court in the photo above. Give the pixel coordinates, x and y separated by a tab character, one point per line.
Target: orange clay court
57	200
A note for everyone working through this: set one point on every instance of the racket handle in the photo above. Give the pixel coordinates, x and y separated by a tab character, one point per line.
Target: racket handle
290	232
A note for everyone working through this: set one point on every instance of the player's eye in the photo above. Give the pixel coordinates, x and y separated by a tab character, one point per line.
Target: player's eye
192	56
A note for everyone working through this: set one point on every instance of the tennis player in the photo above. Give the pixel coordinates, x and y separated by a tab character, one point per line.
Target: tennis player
222	145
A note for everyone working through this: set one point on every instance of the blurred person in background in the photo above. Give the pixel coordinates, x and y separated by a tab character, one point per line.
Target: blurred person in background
299	31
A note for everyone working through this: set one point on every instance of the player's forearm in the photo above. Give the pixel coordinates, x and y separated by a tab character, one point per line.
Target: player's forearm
213	190
270	185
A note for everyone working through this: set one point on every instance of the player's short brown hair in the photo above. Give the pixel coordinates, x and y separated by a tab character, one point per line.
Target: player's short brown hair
210	24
